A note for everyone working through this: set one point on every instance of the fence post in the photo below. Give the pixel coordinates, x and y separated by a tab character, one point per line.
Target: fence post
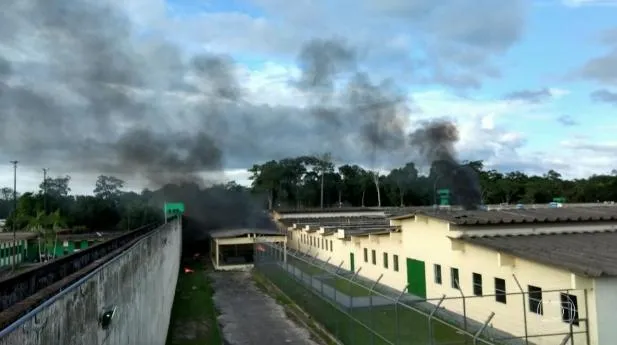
335	277
430	320
323	269
566	339
460	291
370	297
398	327
475	337
351	304
524	308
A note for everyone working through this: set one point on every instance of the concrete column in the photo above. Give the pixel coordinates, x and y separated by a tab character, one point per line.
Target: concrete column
216	246
284	251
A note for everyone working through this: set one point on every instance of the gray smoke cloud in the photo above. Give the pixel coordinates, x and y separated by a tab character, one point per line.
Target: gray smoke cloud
435	140
81	85
344	99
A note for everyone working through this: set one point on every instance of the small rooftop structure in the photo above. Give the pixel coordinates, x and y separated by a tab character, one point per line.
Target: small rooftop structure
590	254
229	233
233	249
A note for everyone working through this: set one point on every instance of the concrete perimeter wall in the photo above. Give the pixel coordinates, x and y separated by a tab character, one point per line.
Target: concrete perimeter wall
140	283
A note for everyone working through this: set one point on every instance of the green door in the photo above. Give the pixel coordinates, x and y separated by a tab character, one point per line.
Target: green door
416	277
352	263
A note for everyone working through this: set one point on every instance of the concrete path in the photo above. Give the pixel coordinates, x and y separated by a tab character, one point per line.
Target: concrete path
249	316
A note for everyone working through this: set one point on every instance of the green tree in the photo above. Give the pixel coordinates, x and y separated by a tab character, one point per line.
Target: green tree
108	187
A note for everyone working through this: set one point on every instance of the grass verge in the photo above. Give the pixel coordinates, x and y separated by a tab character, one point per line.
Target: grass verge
363	326
342	285
193	316
293	311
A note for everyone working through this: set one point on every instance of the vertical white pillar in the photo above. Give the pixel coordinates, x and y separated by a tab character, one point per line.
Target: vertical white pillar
284	251
216	245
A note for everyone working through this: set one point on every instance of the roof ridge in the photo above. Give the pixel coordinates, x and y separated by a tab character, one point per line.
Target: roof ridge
540	234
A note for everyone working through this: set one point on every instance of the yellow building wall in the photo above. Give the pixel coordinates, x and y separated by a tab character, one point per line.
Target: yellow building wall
427	239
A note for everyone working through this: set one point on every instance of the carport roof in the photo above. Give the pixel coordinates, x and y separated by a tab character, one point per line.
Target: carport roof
225	233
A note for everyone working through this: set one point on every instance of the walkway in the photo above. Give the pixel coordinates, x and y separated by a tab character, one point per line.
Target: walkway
250	317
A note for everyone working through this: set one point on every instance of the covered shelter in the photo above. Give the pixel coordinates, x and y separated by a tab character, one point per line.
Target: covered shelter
233	249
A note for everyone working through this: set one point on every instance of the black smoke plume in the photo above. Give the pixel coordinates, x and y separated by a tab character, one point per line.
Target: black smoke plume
435	141
377	115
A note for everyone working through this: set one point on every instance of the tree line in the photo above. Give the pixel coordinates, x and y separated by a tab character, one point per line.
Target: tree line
52	207
315	181
305	181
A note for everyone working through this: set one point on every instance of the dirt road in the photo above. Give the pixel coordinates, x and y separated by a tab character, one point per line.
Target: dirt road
249	316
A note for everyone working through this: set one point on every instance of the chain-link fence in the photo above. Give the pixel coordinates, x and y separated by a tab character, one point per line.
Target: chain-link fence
361	311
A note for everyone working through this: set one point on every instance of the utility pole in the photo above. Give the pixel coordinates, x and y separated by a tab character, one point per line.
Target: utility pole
45	190
14	211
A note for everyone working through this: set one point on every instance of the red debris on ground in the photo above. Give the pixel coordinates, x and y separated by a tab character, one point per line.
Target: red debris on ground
188	270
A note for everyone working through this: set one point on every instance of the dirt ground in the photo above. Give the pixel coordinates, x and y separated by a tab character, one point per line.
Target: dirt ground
249	316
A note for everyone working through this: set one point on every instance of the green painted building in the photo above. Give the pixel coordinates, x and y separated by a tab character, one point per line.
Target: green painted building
6	252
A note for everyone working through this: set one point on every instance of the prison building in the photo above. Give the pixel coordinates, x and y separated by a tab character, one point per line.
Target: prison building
543	272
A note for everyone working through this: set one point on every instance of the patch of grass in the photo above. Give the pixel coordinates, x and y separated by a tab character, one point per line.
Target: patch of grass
193	316
342	285
347	287
292	310
353	327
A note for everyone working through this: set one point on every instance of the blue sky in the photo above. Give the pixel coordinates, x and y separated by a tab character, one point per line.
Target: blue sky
532	85
555	40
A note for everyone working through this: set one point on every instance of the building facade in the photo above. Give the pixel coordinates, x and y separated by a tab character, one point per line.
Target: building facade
541	272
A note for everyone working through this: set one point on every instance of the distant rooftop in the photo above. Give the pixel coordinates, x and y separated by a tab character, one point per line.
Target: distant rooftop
591	254
330	210
224	233
525	215
21	235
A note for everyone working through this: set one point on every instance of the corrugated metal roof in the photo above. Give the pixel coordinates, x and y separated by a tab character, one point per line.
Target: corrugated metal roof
330	210
519	216
223	233
592	254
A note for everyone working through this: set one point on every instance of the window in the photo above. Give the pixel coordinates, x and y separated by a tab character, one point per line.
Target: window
373	257
326	246
535	299
323	243
437	273
569	309
500	290
365	255
477	284
331	246
385	260
454	277
395	262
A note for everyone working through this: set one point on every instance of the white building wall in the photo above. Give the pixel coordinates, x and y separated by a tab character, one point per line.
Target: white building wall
605	316
426	239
